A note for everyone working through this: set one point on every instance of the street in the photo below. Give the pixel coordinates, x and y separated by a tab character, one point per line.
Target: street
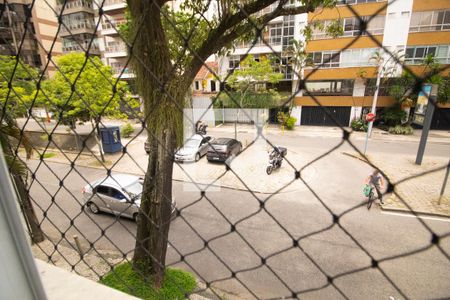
265	225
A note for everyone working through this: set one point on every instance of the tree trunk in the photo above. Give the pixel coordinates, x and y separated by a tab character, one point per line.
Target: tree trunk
96	130
37	235
163	93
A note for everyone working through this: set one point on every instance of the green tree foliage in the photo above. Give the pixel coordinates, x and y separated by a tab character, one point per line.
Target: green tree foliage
17	99
405	87
94	93
249	84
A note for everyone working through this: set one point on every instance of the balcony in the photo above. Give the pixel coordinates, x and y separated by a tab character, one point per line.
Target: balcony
81	48
111	26
118	49
114	5
127	72
76	6
70	29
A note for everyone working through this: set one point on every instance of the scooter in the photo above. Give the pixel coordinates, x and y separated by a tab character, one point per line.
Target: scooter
276	159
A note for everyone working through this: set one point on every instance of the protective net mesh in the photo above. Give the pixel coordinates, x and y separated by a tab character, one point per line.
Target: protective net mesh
291	240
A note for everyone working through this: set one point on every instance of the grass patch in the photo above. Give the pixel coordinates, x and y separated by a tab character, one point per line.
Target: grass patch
47	155
177	283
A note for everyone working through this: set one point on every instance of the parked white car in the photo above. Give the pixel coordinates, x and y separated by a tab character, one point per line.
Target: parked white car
118	194
194	148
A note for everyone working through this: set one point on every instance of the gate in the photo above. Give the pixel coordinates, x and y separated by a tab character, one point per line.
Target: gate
316	115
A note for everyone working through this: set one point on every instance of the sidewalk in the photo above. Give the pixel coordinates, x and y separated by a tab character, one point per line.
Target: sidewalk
416	191
435	136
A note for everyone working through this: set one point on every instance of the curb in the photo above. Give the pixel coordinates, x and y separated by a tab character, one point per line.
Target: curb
414	213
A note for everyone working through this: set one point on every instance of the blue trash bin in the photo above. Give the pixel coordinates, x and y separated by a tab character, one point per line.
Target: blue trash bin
110	137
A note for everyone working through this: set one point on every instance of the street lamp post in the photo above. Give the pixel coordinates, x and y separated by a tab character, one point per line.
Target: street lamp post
381	69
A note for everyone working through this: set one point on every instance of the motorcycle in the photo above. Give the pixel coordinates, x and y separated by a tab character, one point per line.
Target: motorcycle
200	128
276	159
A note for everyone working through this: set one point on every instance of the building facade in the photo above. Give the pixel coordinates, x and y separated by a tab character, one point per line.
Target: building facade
343	74
78	28
39	32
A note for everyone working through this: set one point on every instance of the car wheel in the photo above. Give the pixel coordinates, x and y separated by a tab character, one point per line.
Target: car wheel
93	208
136	217
197	157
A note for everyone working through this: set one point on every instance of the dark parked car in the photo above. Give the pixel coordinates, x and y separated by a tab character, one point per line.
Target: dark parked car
223	148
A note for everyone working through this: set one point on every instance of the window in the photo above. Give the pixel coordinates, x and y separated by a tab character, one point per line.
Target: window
233	62
351	27
197	85
275	34
330	87
116	194
415	55
288	31
326	59
357	57
343	2
213	86
384	87
101	189
430	21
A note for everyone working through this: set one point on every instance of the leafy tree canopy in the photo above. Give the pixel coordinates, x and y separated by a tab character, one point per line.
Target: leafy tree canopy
21	76
96	92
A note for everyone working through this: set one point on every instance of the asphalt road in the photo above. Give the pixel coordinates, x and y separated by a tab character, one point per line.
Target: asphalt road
306	213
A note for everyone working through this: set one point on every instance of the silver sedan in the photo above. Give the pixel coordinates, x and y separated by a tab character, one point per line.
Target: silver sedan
118	194
194	148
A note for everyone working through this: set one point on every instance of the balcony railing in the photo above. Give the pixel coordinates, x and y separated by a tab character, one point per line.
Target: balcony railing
119	47
112	24
76	26
113	2
71	5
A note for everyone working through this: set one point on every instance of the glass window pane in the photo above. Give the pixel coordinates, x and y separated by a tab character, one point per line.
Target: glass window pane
420	52
409	53
431	51
442	51
317	57
447	17
426	18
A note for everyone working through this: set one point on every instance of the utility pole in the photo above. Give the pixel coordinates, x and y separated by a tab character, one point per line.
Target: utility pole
430	93
373	109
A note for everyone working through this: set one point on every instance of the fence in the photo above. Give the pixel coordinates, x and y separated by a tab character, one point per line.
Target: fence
293	236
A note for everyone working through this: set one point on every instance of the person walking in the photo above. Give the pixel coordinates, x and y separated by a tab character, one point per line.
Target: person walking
376	180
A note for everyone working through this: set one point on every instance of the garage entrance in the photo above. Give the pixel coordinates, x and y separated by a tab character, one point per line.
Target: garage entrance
316	116
441	119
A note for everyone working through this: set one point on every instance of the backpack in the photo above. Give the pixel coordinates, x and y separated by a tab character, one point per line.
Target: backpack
366	190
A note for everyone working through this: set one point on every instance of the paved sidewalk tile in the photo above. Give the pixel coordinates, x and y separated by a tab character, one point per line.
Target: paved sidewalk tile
417	188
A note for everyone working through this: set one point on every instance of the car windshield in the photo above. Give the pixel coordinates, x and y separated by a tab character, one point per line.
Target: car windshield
135	188
191	144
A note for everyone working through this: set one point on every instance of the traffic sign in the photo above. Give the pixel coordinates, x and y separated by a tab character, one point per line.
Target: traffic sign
370	117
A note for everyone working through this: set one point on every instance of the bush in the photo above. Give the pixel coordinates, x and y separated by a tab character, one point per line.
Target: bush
286	120
290	123
177	283
394	116
359	125
126	130
399	129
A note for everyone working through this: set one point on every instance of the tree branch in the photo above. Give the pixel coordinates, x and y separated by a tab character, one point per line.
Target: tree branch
230	28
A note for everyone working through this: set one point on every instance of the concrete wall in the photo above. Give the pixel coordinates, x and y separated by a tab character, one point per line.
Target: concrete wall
65	141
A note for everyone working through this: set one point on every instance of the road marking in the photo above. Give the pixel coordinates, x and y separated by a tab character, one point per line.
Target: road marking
413	216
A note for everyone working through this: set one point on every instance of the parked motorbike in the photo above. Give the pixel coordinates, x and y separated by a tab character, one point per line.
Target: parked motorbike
276	159
200	128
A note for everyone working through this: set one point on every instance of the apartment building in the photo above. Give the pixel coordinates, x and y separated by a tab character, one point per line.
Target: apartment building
344	75
114	49
39	33
78	26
